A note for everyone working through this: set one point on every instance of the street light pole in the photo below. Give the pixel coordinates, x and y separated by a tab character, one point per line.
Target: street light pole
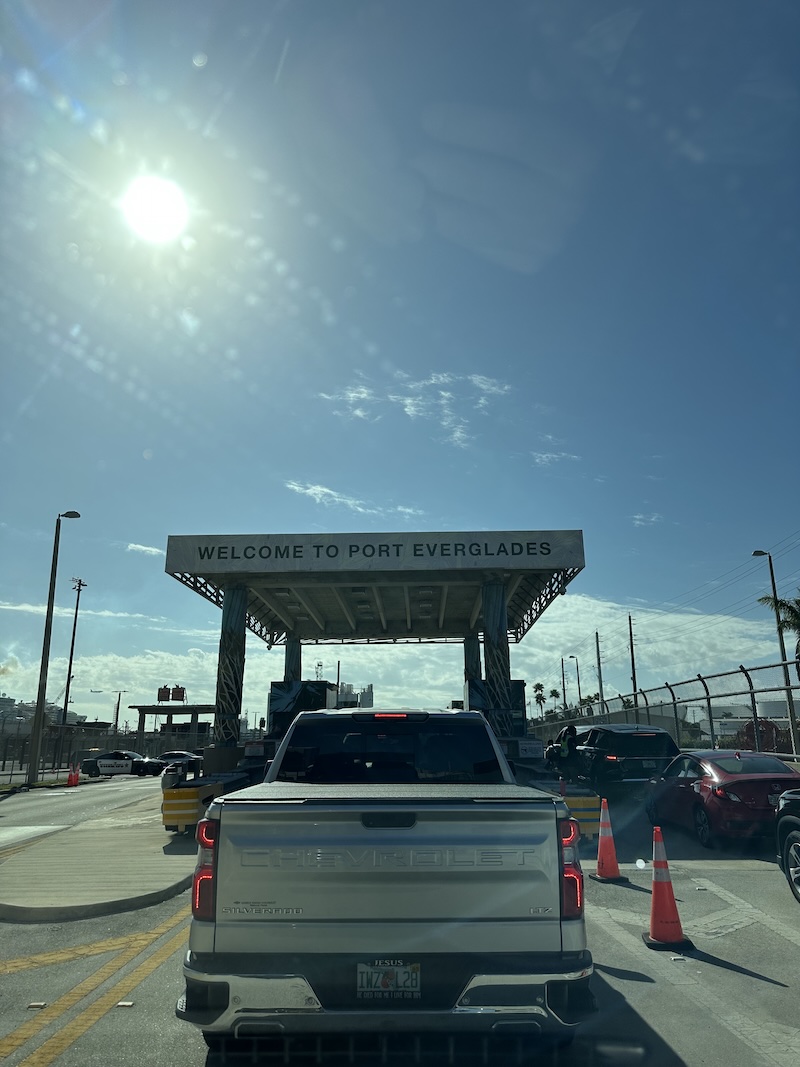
599	672
563	685
578	676
38	718
786	678
77	585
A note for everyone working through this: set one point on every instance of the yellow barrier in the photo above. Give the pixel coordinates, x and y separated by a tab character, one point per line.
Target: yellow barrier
586	809
182	809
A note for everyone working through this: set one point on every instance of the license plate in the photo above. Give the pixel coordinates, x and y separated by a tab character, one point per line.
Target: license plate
388	981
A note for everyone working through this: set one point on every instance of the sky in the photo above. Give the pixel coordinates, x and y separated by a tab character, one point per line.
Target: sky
442	267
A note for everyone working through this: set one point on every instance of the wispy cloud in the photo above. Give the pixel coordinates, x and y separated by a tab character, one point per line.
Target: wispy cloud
647	520
146	550
321	494
357	400
444	399
546	459
41	609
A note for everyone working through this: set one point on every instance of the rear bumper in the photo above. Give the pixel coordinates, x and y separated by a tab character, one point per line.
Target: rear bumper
236	1003
751	824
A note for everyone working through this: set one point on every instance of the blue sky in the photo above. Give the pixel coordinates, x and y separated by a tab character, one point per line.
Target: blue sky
443	269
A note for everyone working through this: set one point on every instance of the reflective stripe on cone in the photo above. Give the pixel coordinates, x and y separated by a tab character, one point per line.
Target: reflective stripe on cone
665	931
607	866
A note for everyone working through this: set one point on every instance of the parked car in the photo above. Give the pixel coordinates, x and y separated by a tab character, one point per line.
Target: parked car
187	760
787	833
721	793
618	754
121	761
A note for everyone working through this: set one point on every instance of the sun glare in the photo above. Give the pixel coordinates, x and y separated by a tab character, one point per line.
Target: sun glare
155	209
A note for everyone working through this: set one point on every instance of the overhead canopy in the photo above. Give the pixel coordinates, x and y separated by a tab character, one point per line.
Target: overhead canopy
388	587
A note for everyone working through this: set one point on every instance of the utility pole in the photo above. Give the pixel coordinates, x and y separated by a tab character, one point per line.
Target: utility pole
578	676
793	735
633	673
116	710
77	585
599	671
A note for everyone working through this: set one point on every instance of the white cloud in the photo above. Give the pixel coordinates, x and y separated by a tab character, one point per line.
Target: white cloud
146	550
670	646
545	459
489	385
444	399
41	609
646	520
320	494
10	665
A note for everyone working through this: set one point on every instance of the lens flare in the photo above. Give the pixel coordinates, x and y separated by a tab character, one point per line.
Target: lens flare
155	209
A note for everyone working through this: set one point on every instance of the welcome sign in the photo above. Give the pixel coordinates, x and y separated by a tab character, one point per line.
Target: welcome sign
323	553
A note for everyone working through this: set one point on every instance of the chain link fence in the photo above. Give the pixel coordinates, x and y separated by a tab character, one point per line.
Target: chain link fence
748	708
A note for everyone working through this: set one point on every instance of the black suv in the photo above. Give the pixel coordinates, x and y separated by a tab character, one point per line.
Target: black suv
622	755
787	832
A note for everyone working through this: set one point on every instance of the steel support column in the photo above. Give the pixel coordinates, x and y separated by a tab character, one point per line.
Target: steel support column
472	658
496	657
230	669
293	661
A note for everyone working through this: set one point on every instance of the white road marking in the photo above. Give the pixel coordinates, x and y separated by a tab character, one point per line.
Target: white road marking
754	914
776	1044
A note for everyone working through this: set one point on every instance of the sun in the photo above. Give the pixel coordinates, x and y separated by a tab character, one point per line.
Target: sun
155	209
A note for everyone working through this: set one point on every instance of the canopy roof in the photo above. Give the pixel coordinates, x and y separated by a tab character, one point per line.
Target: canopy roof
371	588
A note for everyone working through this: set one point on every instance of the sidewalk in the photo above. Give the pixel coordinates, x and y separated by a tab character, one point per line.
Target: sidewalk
116	863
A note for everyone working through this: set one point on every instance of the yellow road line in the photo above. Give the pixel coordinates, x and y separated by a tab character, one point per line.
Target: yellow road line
59	1043
66	955
58	1008
12	850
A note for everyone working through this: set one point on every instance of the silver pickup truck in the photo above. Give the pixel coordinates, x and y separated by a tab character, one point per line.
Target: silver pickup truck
387	877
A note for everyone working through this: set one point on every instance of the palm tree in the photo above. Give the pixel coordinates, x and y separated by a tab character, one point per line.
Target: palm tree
788	614
539	697
554	695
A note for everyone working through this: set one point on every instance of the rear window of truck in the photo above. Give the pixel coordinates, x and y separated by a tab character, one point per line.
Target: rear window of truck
386	751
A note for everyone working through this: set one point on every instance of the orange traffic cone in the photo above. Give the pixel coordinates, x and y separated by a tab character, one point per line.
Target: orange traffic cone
666	931
607	866
70	777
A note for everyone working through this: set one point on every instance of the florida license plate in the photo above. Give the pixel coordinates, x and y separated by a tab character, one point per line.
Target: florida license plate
388	980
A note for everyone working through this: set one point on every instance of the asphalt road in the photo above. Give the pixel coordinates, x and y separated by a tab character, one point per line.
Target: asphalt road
109	984
67	807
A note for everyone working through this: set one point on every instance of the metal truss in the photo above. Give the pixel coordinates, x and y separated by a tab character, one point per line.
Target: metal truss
216	596
555	586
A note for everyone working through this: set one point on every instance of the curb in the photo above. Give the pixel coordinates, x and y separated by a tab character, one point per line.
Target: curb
14	913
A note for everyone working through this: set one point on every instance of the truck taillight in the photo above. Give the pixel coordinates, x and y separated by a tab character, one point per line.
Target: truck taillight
206	834
204	879
571	873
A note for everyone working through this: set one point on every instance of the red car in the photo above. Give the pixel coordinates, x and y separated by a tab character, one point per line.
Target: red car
721	793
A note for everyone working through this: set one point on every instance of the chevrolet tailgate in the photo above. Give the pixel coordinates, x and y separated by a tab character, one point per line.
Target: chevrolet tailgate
384	869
